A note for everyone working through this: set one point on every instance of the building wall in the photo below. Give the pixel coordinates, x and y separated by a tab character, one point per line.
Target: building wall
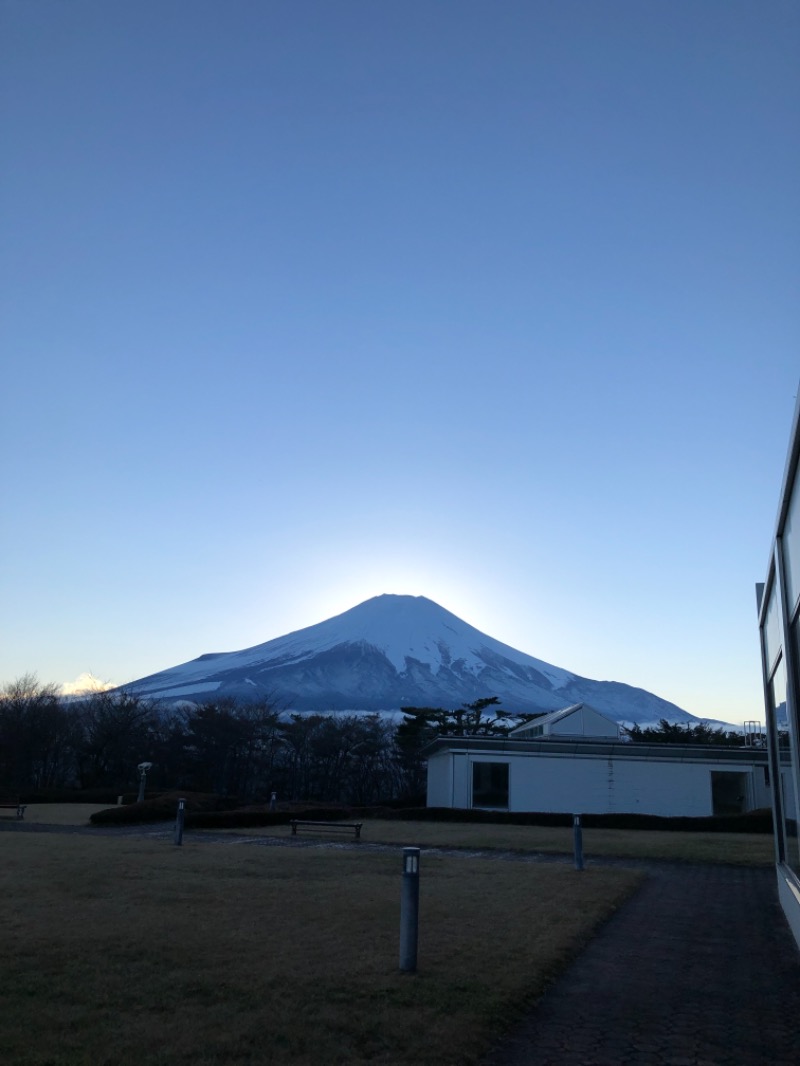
593	784
779	631
584	722
440	780
789	897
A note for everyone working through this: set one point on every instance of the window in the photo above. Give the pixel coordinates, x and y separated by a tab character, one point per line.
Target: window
779	616
788	817
791	549
490	784
772	628
728	792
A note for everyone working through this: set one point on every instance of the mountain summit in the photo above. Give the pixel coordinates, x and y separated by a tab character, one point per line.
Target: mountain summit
392	652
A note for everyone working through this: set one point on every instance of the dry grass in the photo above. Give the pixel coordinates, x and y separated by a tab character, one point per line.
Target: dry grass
62	813
132	951
744	849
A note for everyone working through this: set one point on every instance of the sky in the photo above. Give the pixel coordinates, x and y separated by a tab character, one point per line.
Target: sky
308	301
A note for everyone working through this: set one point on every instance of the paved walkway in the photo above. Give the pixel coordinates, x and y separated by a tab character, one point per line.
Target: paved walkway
697	969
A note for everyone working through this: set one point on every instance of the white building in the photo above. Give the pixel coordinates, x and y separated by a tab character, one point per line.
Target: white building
579	720
577	765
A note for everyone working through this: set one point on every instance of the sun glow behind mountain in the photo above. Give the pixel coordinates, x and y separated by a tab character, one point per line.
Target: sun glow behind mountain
370	572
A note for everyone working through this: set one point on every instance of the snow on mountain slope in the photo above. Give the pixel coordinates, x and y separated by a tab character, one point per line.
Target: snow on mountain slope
396	651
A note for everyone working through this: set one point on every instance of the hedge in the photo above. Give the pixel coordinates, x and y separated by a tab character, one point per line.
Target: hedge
80	795
161	808
753	822
258	817
204	811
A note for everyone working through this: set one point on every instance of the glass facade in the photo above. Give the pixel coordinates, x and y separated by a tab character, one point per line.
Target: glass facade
779	622
791	551
772	629
786	815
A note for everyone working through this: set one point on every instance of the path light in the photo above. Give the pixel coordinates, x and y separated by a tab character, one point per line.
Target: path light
577	836
409	911
179	820
143	767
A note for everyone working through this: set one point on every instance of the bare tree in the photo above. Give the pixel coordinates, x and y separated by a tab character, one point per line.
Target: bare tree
38	736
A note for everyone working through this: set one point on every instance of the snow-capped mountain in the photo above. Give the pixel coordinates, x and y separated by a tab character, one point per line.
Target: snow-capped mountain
392	652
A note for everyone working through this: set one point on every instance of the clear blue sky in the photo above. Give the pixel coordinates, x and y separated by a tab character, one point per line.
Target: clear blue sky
309	301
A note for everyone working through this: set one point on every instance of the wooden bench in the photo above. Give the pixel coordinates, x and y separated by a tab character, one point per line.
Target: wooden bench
16	806
335	826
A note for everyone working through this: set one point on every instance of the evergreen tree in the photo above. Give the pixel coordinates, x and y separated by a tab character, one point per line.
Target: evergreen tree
673	733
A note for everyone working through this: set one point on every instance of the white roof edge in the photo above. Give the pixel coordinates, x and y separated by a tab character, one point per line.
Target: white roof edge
552	716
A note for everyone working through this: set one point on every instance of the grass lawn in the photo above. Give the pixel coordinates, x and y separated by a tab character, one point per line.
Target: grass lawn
744	849
747	849
132	952
62	813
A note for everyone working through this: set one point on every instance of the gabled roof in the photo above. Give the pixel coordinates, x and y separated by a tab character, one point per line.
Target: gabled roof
548	720
577	747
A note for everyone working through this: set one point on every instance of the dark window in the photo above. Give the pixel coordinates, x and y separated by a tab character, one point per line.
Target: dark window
490	784
728	792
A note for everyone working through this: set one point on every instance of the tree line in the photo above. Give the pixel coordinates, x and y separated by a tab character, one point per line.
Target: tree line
673	733
231	748
246	750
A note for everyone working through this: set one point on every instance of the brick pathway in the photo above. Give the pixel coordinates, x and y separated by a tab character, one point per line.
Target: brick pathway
698	969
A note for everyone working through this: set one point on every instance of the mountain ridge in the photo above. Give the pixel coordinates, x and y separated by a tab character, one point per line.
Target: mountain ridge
391	652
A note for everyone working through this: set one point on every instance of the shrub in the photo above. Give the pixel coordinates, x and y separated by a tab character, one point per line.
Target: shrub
78	795
205	811
161	808
262	816
752	822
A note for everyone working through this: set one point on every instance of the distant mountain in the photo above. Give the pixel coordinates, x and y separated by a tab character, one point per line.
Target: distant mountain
392	652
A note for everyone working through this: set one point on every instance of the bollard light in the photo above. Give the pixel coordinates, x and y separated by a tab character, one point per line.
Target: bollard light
409	911
577	835
179	821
